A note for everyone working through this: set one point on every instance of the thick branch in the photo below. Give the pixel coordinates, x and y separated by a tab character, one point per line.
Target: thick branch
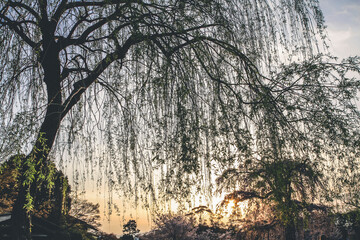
97	4
26	7
119	54
82	39
59	11
15	26
67	71
64	6
81	85
245	195
43	10
312	207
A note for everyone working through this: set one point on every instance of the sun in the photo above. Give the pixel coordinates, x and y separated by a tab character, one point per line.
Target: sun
239	208
230	207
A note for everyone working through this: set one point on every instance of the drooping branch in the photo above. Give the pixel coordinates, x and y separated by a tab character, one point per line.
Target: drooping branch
65	6
83	37
81	85
191	87
119	54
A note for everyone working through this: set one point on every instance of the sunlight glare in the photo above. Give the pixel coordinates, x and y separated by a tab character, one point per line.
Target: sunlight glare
236	207
230	207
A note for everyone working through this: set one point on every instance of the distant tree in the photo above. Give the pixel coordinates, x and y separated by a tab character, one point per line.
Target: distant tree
174	227
284	184
348	223
185	77
129	230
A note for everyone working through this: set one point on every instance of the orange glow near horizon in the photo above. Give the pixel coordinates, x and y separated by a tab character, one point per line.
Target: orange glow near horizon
113	223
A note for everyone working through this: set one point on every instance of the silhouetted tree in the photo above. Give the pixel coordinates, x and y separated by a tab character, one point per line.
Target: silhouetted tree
186	77
129	230
286	184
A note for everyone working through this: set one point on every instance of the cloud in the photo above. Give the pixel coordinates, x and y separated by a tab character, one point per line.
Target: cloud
343	20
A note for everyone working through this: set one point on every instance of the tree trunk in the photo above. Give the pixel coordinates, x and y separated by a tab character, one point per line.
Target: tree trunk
45	140
290	227
20	218
290	231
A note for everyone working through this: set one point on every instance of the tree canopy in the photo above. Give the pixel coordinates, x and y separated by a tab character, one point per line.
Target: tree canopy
152	93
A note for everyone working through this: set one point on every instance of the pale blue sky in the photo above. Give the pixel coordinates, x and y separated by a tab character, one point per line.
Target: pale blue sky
342	18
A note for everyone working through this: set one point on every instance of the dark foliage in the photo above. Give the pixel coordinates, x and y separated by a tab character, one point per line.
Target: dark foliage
53	199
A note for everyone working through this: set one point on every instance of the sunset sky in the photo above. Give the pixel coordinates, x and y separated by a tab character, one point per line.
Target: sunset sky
343	26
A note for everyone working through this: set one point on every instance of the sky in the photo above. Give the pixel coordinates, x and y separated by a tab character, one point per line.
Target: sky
342	18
